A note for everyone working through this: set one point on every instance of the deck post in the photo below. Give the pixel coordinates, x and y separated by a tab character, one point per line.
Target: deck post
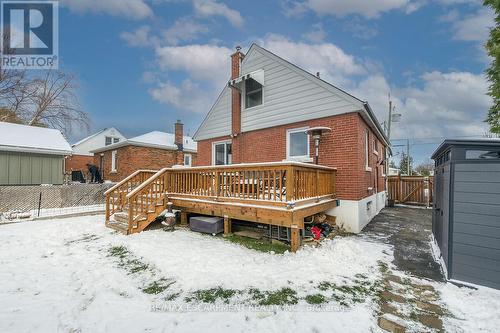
227	225
107	208
290	185
184	218
294	238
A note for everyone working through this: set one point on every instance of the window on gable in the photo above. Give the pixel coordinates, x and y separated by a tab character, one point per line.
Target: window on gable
108	140
116	140
253	93
297	144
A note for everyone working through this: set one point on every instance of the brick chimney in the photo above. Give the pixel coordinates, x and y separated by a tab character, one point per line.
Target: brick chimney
179	135
179	141
236	59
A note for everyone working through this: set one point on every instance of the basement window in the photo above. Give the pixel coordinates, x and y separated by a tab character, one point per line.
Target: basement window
253	93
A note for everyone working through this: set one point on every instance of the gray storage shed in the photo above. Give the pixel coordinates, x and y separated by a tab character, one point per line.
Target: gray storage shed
31	155
466	216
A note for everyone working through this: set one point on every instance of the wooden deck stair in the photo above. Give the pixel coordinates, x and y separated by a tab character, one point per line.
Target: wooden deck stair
280	193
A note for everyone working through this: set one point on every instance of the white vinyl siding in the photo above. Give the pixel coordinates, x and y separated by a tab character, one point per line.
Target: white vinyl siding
289	96
218	121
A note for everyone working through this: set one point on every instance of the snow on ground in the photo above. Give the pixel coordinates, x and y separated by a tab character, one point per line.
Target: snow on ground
58	275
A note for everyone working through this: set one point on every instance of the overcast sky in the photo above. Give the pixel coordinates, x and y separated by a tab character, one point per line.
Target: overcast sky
142	64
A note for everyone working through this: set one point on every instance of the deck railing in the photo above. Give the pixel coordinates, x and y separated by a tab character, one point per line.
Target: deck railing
284	184
116	195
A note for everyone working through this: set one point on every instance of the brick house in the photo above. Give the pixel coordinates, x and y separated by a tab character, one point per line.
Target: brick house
151	151
262	115
82	149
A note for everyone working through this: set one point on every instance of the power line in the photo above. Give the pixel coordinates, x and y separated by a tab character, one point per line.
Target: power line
439	137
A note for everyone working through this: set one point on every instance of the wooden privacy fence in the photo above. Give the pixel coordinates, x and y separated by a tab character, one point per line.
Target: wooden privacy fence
411	190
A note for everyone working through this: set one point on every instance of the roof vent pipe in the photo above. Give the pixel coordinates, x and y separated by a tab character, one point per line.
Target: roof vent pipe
317	75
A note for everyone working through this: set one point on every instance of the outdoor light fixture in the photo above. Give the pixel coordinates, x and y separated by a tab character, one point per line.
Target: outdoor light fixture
316	133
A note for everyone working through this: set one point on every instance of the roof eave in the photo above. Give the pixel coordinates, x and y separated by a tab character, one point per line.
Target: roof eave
35	150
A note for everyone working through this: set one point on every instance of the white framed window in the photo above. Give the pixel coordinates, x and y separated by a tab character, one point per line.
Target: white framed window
375	147
116	140
253	93
297	145
222	153
367	151
113	161
187	159
108	140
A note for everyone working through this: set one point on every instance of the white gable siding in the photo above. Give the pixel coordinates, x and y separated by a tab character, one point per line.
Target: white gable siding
289	95
96	141
218	121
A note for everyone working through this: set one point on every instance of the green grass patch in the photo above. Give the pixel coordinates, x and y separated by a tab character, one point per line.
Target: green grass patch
135	266
283	296
118	251
382	266
211	295
85	239
156	287
258	244
315	299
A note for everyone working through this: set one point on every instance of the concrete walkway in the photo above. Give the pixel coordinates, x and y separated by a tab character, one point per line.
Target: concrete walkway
408	230
408	303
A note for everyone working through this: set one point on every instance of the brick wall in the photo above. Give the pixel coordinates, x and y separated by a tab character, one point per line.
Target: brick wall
343	149
77	162
132	158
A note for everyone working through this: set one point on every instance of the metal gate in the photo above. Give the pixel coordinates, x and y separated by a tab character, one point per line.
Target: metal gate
411	190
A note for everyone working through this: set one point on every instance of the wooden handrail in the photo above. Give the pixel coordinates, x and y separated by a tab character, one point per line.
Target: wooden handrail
115	198
257	165
132	175
146	183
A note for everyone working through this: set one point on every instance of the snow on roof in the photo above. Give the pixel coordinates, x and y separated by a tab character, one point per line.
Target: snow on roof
155	139
31	139
88	137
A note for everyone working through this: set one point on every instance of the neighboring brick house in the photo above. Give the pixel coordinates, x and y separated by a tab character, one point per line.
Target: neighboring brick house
152	151
263	113
82	154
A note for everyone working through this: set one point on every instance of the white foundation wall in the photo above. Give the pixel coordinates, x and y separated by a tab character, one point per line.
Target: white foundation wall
354	215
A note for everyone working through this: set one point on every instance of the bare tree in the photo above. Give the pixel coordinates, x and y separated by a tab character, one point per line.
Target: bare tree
54	102
46	99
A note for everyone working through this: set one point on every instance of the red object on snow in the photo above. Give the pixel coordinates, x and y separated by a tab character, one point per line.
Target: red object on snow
316	231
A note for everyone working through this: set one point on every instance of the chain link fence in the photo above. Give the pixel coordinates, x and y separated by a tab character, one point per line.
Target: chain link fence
31	202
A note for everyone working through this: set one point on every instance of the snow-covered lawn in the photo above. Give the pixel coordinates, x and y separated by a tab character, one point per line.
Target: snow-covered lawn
76	275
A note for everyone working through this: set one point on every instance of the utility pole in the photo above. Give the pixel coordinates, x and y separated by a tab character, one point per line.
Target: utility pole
408	157
389	121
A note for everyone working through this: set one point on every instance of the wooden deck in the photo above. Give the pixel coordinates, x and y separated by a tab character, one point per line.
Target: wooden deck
281	194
